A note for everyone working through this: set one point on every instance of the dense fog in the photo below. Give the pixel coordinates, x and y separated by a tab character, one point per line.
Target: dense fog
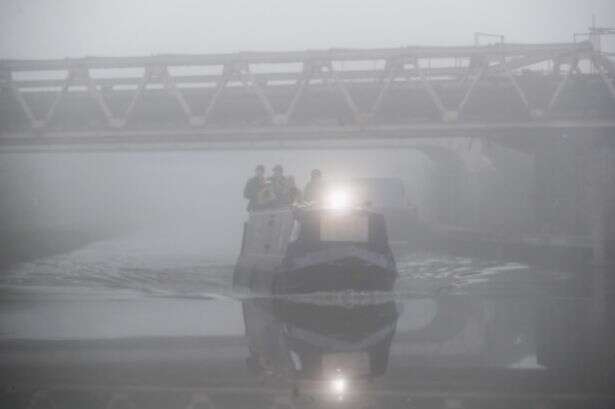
195	196
457	252
73	28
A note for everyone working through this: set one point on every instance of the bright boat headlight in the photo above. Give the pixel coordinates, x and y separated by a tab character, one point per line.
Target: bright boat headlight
338	199
339	385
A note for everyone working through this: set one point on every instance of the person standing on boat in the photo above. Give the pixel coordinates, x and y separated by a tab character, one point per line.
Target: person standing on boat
294	193
279	185
253	187
314	189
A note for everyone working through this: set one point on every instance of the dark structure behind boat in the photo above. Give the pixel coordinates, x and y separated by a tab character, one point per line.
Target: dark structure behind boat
388	197
307	249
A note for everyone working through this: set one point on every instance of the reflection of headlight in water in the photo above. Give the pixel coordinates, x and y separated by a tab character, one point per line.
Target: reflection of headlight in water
339	385
338	199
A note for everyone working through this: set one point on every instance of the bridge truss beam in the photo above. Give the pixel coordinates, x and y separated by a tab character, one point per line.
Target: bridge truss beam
448	79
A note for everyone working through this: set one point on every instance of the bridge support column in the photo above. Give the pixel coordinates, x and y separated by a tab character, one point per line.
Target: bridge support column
601	194
601	174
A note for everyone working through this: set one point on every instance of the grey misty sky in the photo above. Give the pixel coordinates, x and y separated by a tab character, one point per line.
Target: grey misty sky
75	28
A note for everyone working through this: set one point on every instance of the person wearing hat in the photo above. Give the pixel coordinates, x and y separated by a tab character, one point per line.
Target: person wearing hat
279	185
314	189
253	187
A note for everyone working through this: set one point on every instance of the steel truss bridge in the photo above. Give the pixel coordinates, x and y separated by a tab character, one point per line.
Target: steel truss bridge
306	99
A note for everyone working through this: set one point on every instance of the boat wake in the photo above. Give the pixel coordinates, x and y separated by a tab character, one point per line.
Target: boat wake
130	267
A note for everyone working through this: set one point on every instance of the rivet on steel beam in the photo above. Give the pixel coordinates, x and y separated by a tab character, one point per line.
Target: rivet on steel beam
117	123
537	113
197	121
450	116
280	119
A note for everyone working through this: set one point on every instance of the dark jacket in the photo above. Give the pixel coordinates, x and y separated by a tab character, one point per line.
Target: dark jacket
281	190
250	192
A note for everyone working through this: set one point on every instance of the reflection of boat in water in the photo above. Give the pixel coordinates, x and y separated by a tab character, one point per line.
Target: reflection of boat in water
309	249
318	343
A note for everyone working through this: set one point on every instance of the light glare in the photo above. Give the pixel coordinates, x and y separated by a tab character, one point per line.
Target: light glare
338	199
338	385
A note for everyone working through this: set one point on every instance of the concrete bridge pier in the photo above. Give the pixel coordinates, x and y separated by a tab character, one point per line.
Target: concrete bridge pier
601	184
600	171
576	325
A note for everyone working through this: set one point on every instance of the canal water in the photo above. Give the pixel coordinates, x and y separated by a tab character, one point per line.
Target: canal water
147	310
